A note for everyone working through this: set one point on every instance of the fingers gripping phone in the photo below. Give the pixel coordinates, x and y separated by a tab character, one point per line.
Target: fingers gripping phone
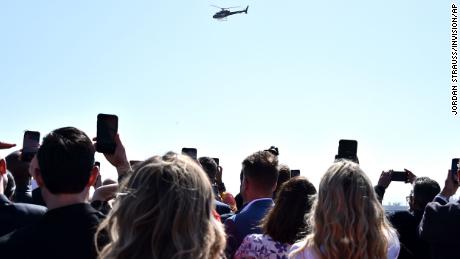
107	128
30	145
191	152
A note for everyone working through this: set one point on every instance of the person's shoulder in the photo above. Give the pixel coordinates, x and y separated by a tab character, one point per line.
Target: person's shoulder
299	250
30	208
451	207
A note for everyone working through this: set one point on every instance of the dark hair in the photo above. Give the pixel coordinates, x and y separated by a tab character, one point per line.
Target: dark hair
262	168
285	222
209	166
66	158
18	168
284	174
425	189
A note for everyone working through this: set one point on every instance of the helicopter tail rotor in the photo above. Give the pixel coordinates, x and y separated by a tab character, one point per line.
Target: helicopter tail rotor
246	10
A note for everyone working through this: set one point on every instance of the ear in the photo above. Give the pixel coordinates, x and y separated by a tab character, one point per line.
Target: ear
38	177
2	166
274	187
93	177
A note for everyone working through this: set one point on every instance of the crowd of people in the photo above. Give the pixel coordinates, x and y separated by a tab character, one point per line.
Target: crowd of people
174	206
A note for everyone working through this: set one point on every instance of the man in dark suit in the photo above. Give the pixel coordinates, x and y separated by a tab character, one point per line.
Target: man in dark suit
260	174
15	215
440	225
406	222
64	170
210	168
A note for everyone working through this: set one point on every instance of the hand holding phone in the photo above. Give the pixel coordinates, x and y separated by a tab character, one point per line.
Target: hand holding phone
107	128
30	145
399	176
348	149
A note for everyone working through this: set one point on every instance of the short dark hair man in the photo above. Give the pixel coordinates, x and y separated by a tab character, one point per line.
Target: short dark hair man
64	170
260	174
210	167
440	224
20	171
407	222
15	215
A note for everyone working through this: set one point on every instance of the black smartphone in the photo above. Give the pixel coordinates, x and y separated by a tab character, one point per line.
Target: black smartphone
30	145
191	152
98	164
295	173
216	160
348	149
107	128
399	176
454	169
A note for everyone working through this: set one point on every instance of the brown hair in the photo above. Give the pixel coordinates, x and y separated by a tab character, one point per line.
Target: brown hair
262	168
286	222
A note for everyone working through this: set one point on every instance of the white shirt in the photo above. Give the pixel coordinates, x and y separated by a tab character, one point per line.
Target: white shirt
309	253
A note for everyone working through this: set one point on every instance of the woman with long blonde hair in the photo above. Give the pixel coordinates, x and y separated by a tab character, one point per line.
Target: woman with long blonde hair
165	211
347	220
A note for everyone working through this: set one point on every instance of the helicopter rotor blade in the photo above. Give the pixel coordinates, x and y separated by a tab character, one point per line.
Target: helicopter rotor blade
217	6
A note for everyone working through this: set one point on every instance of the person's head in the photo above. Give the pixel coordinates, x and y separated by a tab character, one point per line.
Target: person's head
19	169
347	220
284	174
260	174
209	166
425	189
66	162
285	222
165	213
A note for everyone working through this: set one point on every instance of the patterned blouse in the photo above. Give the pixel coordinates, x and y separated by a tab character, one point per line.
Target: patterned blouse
256	246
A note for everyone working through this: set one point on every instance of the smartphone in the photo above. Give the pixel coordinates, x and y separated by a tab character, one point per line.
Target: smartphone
295	173
348	149
98	164
30	145
191	152
107	128
454	169
216	160
399	176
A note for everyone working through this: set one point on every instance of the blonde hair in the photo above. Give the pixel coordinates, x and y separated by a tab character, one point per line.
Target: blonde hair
166	213
347	220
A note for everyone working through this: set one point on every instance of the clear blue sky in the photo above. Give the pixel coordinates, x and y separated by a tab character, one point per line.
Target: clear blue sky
298	74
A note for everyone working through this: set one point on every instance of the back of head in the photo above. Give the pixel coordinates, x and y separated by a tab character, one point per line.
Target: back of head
18	168
262	169
166	213
209	166
284	174
66	158
425	189
285	222
347	220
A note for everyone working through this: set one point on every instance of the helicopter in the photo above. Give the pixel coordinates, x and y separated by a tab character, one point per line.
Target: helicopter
225	12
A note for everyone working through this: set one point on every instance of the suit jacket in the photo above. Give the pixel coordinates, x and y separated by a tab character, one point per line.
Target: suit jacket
440	226
244	223
65	232
16	215
406	223
222	208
